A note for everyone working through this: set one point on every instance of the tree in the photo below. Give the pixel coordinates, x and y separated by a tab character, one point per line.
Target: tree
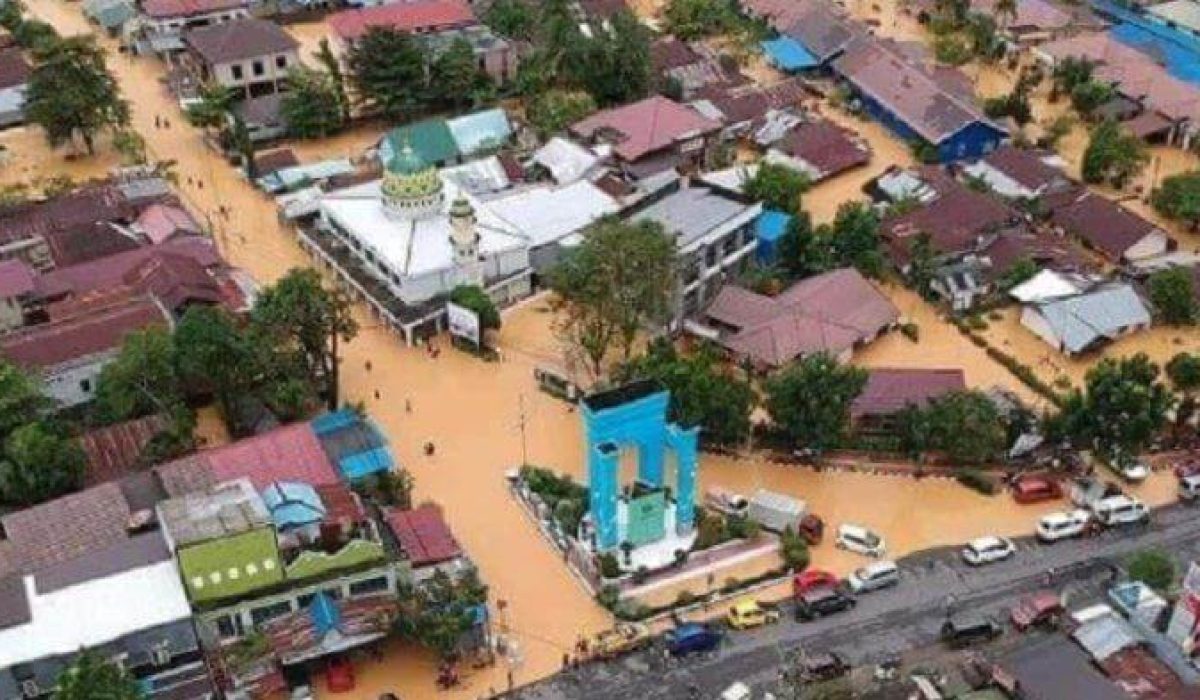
237	141
72	95
777	186
703	392
90	677
1020	271
953	12
131	146
554	110
439	612
1172	295
387	68
810	400
1184	372
39	464
333	68
211	109
1122	408
214	354
985	41
455	79
801	252
913	431
311	106
1153	567
614	64
1179	197
967	427
1088	96
695	19
793	549
1112	156
21	399
619	280
854	238
922	265
474	298
144	378
1070	72
302	316
511	18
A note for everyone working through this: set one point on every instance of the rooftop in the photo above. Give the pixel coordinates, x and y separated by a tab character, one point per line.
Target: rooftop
115	450
415	16
14	69
1105	225
826	147
229	508
1027	167
646	126
890	390
239	40
16	278
423	534
693	212
49	345
1079	322
954	216
167	9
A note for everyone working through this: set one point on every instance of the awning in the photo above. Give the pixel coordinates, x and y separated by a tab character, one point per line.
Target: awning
1148	124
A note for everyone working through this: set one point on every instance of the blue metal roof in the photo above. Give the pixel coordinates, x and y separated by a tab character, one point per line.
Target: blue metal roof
480	131
329	422
293	504
373	461
788	55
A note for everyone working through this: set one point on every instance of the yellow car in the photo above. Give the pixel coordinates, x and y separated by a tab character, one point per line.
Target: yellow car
746	614
622	639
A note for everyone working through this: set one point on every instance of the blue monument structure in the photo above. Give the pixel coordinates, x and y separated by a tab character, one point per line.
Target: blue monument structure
635	415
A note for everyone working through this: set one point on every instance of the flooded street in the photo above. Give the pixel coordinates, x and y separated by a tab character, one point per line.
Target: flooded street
471	410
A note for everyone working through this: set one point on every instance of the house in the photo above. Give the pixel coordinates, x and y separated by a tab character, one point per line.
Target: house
426	541
823	31
650	136
439	143
890	390
159	223
165	21
73	227
1181	15
109	15
439	22
1083	322
1020	173
820	149
692	67
16	287
749	110
115	451
916	103
14	78
714	238
1034	21
68	354
122	601
833	312
250	56
262	117
1113	231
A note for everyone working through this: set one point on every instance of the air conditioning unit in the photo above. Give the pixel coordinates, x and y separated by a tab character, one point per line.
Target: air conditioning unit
30	689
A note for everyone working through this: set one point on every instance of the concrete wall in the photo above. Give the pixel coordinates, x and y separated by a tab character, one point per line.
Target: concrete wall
272	73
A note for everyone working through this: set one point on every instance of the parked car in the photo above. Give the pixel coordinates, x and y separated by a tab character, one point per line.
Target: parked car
986	550
1189	487
856	538
1120	510
820	602
873	576
747	614
1087	490
737	691
967	630
625	637
726	502
692	638
813	578
1063	524
1131	469
1043	607
1035	488
815	668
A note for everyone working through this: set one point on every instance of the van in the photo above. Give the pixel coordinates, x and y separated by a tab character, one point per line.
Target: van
1189	487
692	638
1120	510
872	577
968	630
860	540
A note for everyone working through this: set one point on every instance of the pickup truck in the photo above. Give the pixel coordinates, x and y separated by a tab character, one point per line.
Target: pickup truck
626	637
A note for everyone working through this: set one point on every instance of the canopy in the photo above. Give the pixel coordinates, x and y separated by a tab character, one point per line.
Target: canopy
788	55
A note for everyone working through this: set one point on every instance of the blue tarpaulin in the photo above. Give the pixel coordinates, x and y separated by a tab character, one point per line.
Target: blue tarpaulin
788	55
768	229
329	422
356	466
325	613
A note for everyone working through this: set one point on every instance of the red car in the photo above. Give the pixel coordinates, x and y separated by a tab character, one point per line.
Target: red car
811	579
1034	488
339	675
1040	608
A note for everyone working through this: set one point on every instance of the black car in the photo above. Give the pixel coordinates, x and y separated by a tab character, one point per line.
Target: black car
822	601
965	631
822	667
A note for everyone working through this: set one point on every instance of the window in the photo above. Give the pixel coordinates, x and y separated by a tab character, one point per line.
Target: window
305	600
281	61
85	385
270	612
161	654
236	70
371	585
257	68
229	626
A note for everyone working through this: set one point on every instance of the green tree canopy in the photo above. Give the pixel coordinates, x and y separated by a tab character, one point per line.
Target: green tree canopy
801	253
474	298
1153	567
71	93
21	399
439	613
1113	156
1184	372
810	400
1122	407
777	186
90	677
1090	95
1070	72
455	79
614	64
619	280
1172	295
39	464
703	391
554	110
312	106
854	238
514	19
388	71
1179	197
695	19
213	352
967	427
144	378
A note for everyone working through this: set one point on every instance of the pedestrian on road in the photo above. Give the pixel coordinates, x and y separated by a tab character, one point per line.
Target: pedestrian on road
166	123
367	365
408	405
157	121
376	394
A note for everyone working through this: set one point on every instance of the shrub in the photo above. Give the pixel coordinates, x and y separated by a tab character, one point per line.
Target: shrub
685	597
911	331
1152	567
977	481
742	528
976	323
608	597
609	566
641	574
794	550
681	556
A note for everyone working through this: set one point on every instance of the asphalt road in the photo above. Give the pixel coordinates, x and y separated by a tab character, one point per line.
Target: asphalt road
884	623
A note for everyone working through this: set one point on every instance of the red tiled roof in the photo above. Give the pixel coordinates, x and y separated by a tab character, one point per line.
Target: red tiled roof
645	127
54	343
64	528
163	221
341	504
110	271
290	453
954	219
1024	166
825	146
239	40
114	450
15	278
423	534
416	16
78	209
163	9
890	390
830	312
1105	225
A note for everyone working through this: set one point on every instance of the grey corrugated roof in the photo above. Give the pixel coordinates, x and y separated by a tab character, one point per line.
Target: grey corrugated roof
1105	636
125	555
692	212
1082	320
14	604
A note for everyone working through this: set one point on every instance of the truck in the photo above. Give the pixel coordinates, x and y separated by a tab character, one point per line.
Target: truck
1088	489
777	512
726	502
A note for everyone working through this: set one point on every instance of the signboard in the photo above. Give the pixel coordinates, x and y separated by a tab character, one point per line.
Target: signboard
647	518
464	323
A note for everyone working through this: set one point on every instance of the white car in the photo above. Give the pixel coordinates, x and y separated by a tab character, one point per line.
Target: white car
1063	525
986	550
873	576
860	540
1134	470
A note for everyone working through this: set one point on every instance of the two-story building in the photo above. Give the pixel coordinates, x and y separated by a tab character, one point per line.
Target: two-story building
163	22
650	136
251	56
